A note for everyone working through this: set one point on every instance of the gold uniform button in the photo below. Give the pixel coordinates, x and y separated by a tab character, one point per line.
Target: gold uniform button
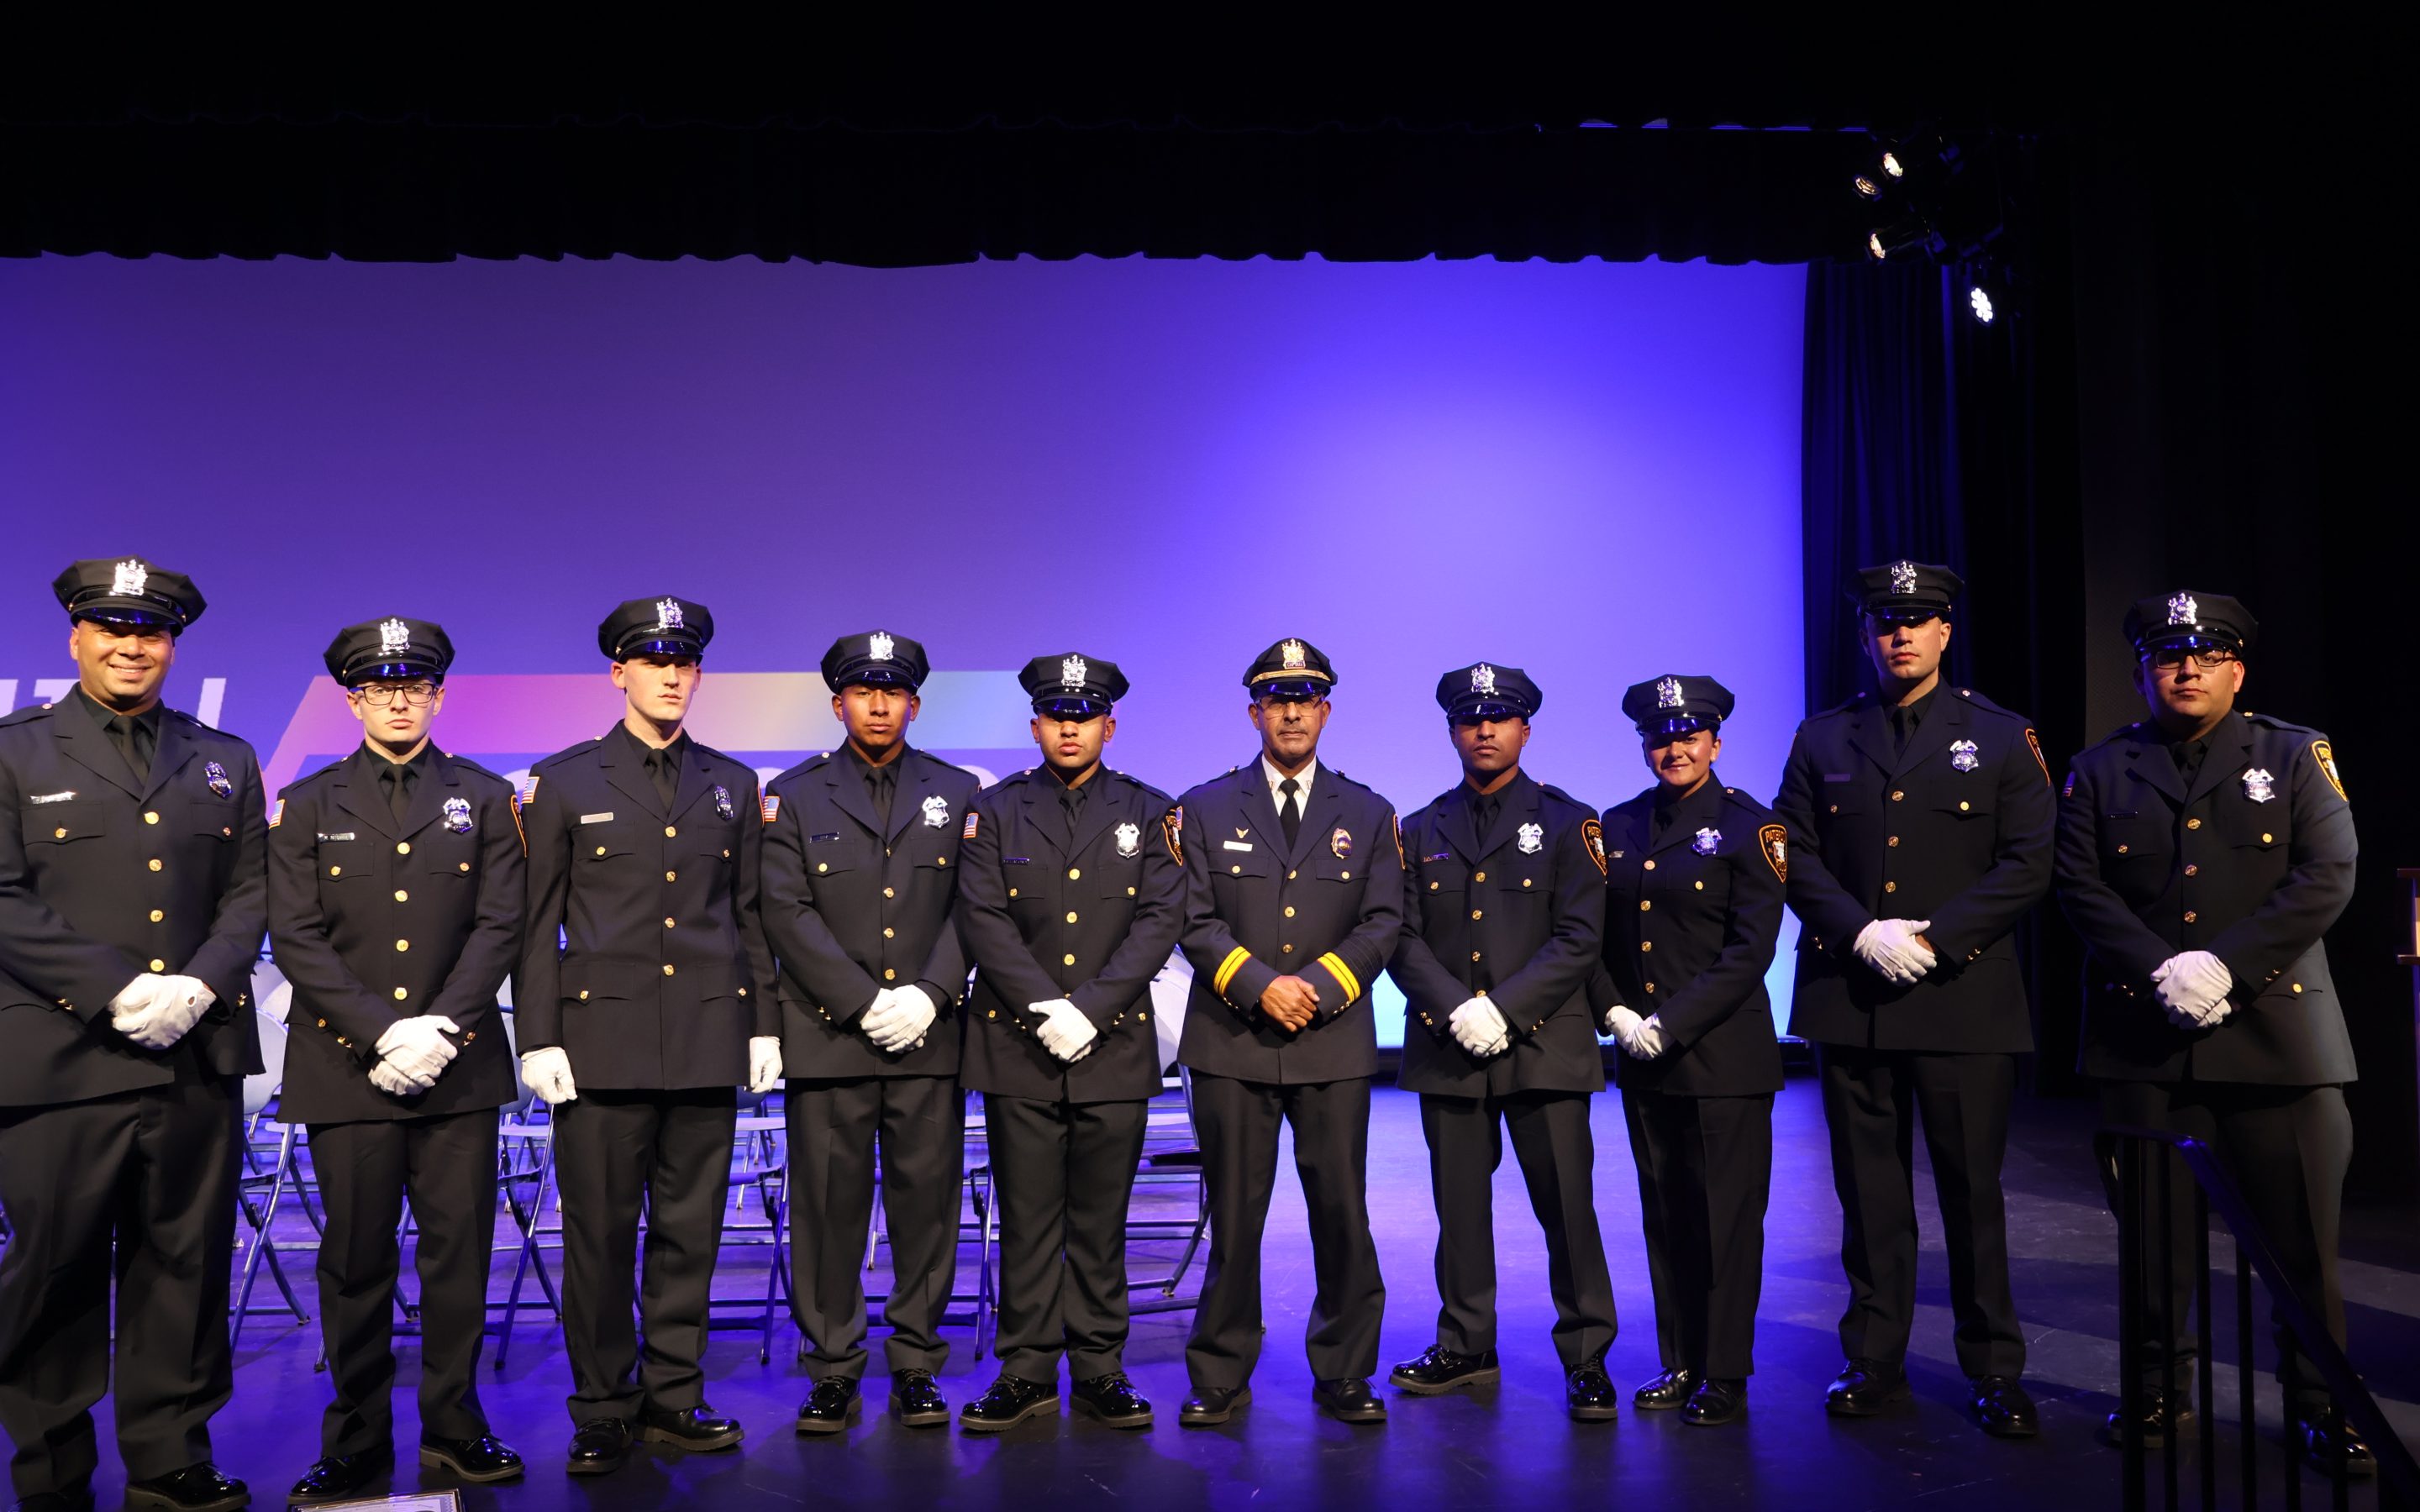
600	850
887	892
727	855
401	895
1893	843
1474	955
672	876
583	995
2266	839
157	916
1075	873
670	831
668	921
2122	850
402	992
1897	795
2191	915
890	974
226	829
1291	875
2193	824
1289	912
1645	906
1347	875
155	863
462	866
1651	866
1475	913
1836	808
887	932
941	860
2193	871
1890	887
1961	805
1235	870
1480	876
1012	893
333	870
1069	960
1286	949
1651	986
403	945
158	965
403	847
2298	986
1145	1018
823	866
1433	886
1525	882
60	833
991	1012
668	968
1699	886
151	818
1071	915
1130	892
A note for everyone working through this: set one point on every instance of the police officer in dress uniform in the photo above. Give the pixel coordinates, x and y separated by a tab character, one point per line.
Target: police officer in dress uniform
2202	854
1922	818
1295	890
1503	912
860	872
1694	874
1072	900
643	851
132	901
395	883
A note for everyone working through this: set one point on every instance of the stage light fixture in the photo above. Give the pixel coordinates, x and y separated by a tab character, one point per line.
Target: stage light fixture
1891	165
1911	233
1979	300
1867	187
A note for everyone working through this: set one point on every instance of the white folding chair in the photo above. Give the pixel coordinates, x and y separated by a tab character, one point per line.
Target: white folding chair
259	1195
525	1173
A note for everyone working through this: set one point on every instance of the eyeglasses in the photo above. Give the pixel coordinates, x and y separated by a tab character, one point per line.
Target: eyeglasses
2173	659
419	695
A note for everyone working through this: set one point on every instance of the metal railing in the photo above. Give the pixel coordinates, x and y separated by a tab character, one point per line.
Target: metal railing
2146	1187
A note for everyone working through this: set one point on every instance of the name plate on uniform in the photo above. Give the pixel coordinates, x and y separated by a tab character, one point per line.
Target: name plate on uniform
1235	845
605	818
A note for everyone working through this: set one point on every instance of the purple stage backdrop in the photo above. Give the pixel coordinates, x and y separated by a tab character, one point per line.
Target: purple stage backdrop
1590	471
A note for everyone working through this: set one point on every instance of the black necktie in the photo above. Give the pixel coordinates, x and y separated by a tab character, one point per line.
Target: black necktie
131	737
2189	754
1289	808
1488	807
396	780
663	769
1664	812
1902	721
1072	801
878	786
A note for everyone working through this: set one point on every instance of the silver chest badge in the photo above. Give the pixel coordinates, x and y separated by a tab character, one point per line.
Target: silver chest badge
1706	842
216	777
2259	786
936	813
1129	840
457	815
1533	839
722	800
1962	755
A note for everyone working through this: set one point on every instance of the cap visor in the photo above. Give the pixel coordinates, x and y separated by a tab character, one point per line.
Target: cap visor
1474	713
389	671
1297	689
1674	727
111	613
1070	708
660	648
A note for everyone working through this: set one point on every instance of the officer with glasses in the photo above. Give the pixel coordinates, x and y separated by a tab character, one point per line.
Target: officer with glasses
2202	854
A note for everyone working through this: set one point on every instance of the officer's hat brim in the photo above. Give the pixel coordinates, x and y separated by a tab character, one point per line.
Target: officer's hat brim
387	672
2182	638
1071	708
1296	688
873	677
685	647
1678	724
126	611
1902	611
1486	709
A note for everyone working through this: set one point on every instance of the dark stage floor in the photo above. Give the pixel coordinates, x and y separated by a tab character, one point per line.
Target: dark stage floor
1509	1445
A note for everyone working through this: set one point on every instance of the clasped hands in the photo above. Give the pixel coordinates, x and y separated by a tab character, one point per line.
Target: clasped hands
2193	986
1065	1032
1292	1002
1896	949
1479	1026
898	1018
1641	1039
156	1011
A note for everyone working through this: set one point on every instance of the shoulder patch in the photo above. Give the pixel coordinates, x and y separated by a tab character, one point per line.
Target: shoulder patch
2325	753
529	787
277	809
2035	741
1773	840
1171	825
2069	791
770	807
1593	834
974	822
1396	821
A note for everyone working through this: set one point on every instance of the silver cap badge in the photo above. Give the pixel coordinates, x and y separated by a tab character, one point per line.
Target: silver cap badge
2184	610
127	580
1902	577
1668	693
1483	679
395	638
879	646
1071	672
1294	658
668	615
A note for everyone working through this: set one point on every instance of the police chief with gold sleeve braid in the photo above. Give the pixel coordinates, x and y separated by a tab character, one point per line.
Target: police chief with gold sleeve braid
396	890
1503	910
133	896
644	863
1071	902
1294	892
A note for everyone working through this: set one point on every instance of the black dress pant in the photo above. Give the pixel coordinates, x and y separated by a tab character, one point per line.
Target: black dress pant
835	1128
139	1188
1873	1100
2288	1150
1064	1172
1705	1172
1237	1122
448	1167
1557	1150
615	1153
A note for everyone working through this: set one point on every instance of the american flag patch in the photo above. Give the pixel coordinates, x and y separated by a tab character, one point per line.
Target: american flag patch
771	805
969	832
276	812
529	787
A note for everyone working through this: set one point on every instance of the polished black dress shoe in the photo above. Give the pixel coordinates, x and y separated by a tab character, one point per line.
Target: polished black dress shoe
1668	1390
1439	1369
916	1399
694	1428
834	1404
2002	1409
1863	1387
1349	1399
335	1478
1210	1406
599	1447
195	1488
1112	1398
1716	1401
1589	1396
2161	1417
2331	1443
482	1461
56	1502
1008	1401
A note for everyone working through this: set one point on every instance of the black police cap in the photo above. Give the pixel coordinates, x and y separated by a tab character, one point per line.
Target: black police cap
1905	591
1486	691
1676	705
128	590
2191	621
665	626
1294	668
1072	686
875	659
388	649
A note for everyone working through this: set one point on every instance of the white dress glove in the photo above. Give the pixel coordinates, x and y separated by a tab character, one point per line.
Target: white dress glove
1479	1026
898	1018
1646	1041
2193	987
394	1083
548	1074
1065	1031
417	1047
1891	947
763	1063
1621	1023
160	1015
